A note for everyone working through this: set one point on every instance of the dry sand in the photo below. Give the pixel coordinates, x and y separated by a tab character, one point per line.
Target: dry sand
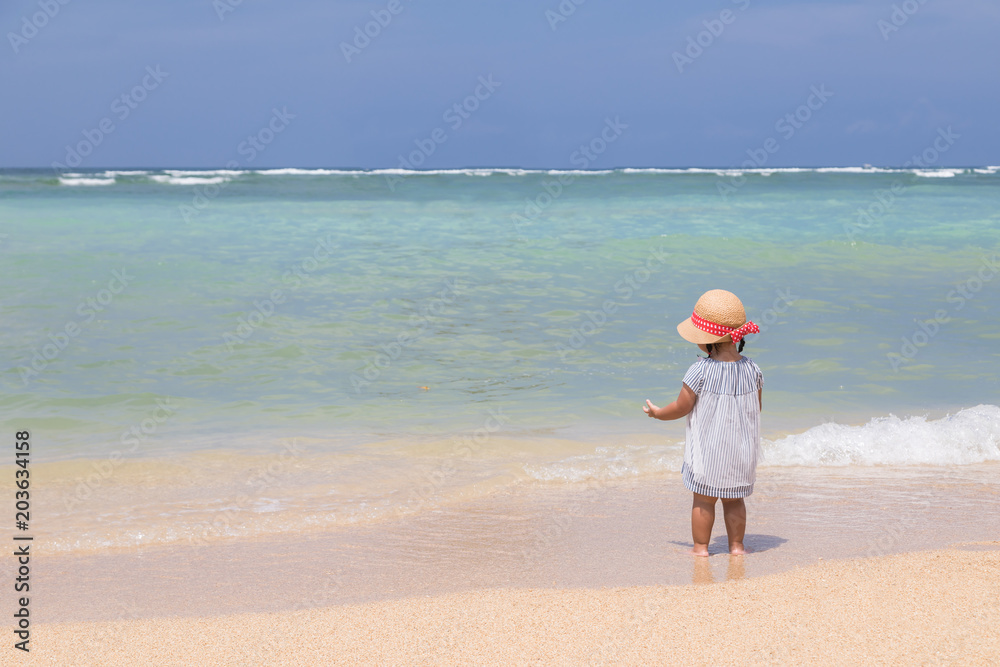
937	607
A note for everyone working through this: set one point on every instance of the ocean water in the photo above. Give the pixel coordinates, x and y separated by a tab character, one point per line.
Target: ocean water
210	354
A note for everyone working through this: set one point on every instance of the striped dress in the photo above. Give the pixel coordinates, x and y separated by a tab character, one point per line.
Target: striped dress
722	438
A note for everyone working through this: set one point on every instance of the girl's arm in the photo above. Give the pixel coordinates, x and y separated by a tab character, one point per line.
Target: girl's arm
679	408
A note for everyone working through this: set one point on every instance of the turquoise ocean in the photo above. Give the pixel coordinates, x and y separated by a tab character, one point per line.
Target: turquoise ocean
382	341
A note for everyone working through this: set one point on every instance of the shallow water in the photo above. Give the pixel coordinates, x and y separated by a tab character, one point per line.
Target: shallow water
622	533
466	334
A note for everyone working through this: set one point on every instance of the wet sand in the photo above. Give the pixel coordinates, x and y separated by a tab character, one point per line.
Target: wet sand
921	608
535	568
622	534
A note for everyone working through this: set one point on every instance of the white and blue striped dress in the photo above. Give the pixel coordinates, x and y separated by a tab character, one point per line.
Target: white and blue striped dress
722	439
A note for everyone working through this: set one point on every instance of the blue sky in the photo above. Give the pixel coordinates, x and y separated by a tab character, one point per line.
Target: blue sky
225	67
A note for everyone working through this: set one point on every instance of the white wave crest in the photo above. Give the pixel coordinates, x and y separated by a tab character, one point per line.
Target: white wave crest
79	180
852	170
969	436
453	172
204	172
188	180
293	171
174	176
112	174
938	173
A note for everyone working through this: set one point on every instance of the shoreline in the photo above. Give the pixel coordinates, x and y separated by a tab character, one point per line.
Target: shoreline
622	534
277	488
939	606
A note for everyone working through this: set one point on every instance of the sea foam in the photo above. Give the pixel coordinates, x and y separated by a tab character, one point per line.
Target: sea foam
969	436
187	180
79	180
215	176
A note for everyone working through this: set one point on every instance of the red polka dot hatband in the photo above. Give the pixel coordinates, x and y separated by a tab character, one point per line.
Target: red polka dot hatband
718	317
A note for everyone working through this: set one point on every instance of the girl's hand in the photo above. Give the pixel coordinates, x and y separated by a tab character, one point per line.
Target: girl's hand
682	406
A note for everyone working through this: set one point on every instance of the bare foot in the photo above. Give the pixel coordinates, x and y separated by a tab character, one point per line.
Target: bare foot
737	549
699	551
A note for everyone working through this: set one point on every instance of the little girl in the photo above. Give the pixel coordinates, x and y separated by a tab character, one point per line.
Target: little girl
722	398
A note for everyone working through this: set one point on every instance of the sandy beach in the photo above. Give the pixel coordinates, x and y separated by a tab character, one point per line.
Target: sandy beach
594	575
333	331
937	607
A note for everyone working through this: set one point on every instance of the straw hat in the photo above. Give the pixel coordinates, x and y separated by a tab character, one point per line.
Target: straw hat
718	317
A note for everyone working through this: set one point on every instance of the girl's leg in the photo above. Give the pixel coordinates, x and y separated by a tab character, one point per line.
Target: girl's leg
735	513
702	518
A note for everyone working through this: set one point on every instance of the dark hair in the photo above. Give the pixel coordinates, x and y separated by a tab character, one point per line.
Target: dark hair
708	346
